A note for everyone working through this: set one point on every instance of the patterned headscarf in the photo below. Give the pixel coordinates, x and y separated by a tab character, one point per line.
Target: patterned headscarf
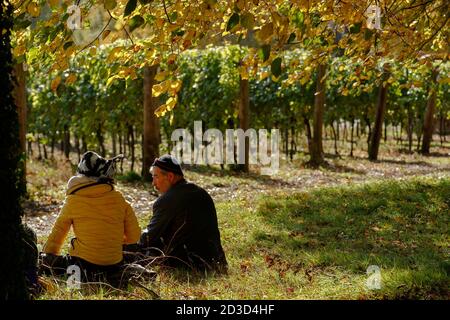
93	165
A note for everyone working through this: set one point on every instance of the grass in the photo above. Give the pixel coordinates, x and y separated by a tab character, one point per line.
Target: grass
318	244
400	226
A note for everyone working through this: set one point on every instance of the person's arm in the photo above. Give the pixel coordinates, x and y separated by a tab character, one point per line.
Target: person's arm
162	216
132	229
59	232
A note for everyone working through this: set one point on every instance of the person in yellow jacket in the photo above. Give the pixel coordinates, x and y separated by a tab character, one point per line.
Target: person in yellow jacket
101	219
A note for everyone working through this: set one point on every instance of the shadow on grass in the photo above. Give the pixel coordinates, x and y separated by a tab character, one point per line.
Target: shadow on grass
401	162
213	171
402	227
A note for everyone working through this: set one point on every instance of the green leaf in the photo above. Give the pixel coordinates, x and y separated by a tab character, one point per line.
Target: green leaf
135	22
264	52
68	45
131	5
173	16
291	37
110	4
275	67
368	34
233	21
355	28
298	19
144	2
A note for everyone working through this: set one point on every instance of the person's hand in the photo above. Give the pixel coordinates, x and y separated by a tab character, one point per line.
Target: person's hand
47	259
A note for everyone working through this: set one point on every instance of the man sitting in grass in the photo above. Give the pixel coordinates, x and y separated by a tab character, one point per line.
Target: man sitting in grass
184	228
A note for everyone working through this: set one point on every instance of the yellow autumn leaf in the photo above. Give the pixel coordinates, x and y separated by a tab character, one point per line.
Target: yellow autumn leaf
33	9
243	71
240	4
93	51
344	92
125	72
175	85
265	32
160	88
113	54
161	110
160	22
160	76
171	102
171	59
71	78
105	34
53	3
276	18
304	79
111	79
18	51
263	75
445	80
55	83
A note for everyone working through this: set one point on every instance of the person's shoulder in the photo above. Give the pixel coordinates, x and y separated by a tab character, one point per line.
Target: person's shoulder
196	191
165	199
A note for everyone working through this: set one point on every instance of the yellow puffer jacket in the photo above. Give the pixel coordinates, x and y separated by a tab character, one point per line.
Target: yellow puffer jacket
102	222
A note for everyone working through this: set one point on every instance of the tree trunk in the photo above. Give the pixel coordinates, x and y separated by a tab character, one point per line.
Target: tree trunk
77	147
66	141
150	145
83	144
114	142
381	108
293	146
44	147
101	140
38	141
12	273
316	150
441	127
20	97
335	140
30	148
308	131
338	125
121	150
286	142
428	124
52	145
410	128
357	130
344	134
351	138
244	120
131	136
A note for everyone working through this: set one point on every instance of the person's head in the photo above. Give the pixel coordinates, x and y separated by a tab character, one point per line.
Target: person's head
93	165
166	172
